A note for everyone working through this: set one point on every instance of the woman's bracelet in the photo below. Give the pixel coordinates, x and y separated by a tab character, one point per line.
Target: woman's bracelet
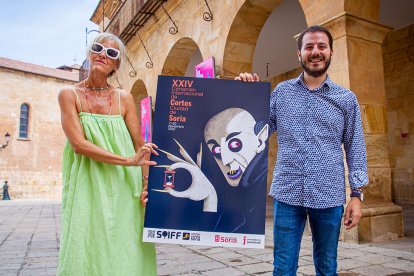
145	177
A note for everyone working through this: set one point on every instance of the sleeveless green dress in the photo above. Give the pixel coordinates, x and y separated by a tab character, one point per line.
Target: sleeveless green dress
101	210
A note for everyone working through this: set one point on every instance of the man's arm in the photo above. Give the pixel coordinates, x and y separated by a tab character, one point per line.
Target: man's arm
356	158
354	144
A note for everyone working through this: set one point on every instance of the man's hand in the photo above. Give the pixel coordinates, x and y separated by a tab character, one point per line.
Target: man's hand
247	77
352	213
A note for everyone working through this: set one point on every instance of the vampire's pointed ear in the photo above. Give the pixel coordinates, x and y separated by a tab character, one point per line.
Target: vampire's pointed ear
262	136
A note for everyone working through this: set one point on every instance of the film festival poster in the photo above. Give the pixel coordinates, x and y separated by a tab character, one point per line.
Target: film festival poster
209	185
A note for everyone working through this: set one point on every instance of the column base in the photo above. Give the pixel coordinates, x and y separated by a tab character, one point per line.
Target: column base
379	222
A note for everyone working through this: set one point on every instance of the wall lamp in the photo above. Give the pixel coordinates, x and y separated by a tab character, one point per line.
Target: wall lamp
7	136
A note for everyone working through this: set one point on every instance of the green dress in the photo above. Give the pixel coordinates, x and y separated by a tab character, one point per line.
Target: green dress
101	210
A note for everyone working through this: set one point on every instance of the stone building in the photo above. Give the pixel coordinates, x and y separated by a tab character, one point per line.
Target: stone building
373	56
29	111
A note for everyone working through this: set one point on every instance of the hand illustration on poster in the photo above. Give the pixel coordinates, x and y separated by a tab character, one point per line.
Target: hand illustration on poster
200	188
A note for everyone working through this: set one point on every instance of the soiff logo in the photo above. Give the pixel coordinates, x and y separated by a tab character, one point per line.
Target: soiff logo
186	236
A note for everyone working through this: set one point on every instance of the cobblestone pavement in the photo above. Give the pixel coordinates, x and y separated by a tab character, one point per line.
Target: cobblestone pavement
30	232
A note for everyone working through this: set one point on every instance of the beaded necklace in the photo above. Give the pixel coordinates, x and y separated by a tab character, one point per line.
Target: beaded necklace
109	98
97	88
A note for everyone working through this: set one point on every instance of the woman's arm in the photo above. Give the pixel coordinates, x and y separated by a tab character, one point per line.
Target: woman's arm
73	130
131	119
134	127
133	124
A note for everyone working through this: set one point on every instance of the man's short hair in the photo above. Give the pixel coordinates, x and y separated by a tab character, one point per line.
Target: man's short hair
315	29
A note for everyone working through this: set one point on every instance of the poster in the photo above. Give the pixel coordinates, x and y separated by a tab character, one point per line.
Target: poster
209	185
205	69
146	119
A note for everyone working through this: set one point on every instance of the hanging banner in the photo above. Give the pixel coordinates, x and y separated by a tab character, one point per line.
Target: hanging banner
209	187
146	119
205	69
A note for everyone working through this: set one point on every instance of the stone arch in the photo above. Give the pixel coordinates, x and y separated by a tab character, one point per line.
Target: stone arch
138	92
243	35
179	57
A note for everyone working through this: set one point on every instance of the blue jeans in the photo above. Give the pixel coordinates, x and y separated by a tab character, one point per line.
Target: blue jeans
289	223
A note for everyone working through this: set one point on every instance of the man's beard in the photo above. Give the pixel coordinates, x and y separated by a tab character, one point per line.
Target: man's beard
316	73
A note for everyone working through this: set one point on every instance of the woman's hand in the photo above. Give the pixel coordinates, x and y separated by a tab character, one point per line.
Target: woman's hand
144	195
141	158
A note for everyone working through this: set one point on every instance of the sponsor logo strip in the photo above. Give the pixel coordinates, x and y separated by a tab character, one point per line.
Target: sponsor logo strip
176	236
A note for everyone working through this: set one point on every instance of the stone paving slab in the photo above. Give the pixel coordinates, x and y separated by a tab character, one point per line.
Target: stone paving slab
30	232
376	270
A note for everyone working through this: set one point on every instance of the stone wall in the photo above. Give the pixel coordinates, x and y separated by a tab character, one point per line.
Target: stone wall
398	51
32	166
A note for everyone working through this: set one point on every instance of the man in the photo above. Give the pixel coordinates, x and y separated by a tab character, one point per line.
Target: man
313	118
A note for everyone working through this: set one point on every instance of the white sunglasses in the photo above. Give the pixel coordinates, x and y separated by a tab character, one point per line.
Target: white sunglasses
98	48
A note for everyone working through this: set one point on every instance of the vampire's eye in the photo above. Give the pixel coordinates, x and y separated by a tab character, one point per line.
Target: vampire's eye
216	150
235	145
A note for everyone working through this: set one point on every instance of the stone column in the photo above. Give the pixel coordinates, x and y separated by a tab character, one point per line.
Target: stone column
358	65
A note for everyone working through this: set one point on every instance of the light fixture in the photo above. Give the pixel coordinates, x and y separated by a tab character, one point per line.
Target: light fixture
7	136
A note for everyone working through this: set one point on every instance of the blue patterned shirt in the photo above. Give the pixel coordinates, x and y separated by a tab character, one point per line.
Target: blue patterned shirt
311	127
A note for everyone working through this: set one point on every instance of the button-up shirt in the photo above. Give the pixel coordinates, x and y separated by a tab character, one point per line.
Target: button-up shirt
312	126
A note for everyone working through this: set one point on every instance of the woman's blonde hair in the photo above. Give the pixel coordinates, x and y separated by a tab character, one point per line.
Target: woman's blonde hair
101	37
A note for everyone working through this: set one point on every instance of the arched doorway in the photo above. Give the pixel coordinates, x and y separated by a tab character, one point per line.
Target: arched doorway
263	32
182	58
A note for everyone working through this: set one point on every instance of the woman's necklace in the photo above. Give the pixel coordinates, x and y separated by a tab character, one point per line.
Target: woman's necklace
98	88
109	98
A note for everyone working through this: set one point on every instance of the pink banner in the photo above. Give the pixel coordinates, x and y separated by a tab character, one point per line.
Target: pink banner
146	119
205	69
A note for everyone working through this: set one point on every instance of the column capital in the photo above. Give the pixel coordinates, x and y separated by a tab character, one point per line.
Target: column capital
321	10
348	24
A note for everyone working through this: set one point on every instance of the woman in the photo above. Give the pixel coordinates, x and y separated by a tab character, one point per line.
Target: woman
102	180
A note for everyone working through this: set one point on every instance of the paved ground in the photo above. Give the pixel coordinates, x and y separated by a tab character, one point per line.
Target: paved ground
29	241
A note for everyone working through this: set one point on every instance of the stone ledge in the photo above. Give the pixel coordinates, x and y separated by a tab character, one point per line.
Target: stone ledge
380	209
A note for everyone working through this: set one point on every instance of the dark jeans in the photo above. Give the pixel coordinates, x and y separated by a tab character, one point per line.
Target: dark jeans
289	223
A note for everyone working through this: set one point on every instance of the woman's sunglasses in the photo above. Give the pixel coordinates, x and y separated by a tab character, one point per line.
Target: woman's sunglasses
97	48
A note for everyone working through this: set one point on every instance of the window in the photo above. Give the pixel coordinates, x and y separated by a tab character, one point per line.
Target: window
24	121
